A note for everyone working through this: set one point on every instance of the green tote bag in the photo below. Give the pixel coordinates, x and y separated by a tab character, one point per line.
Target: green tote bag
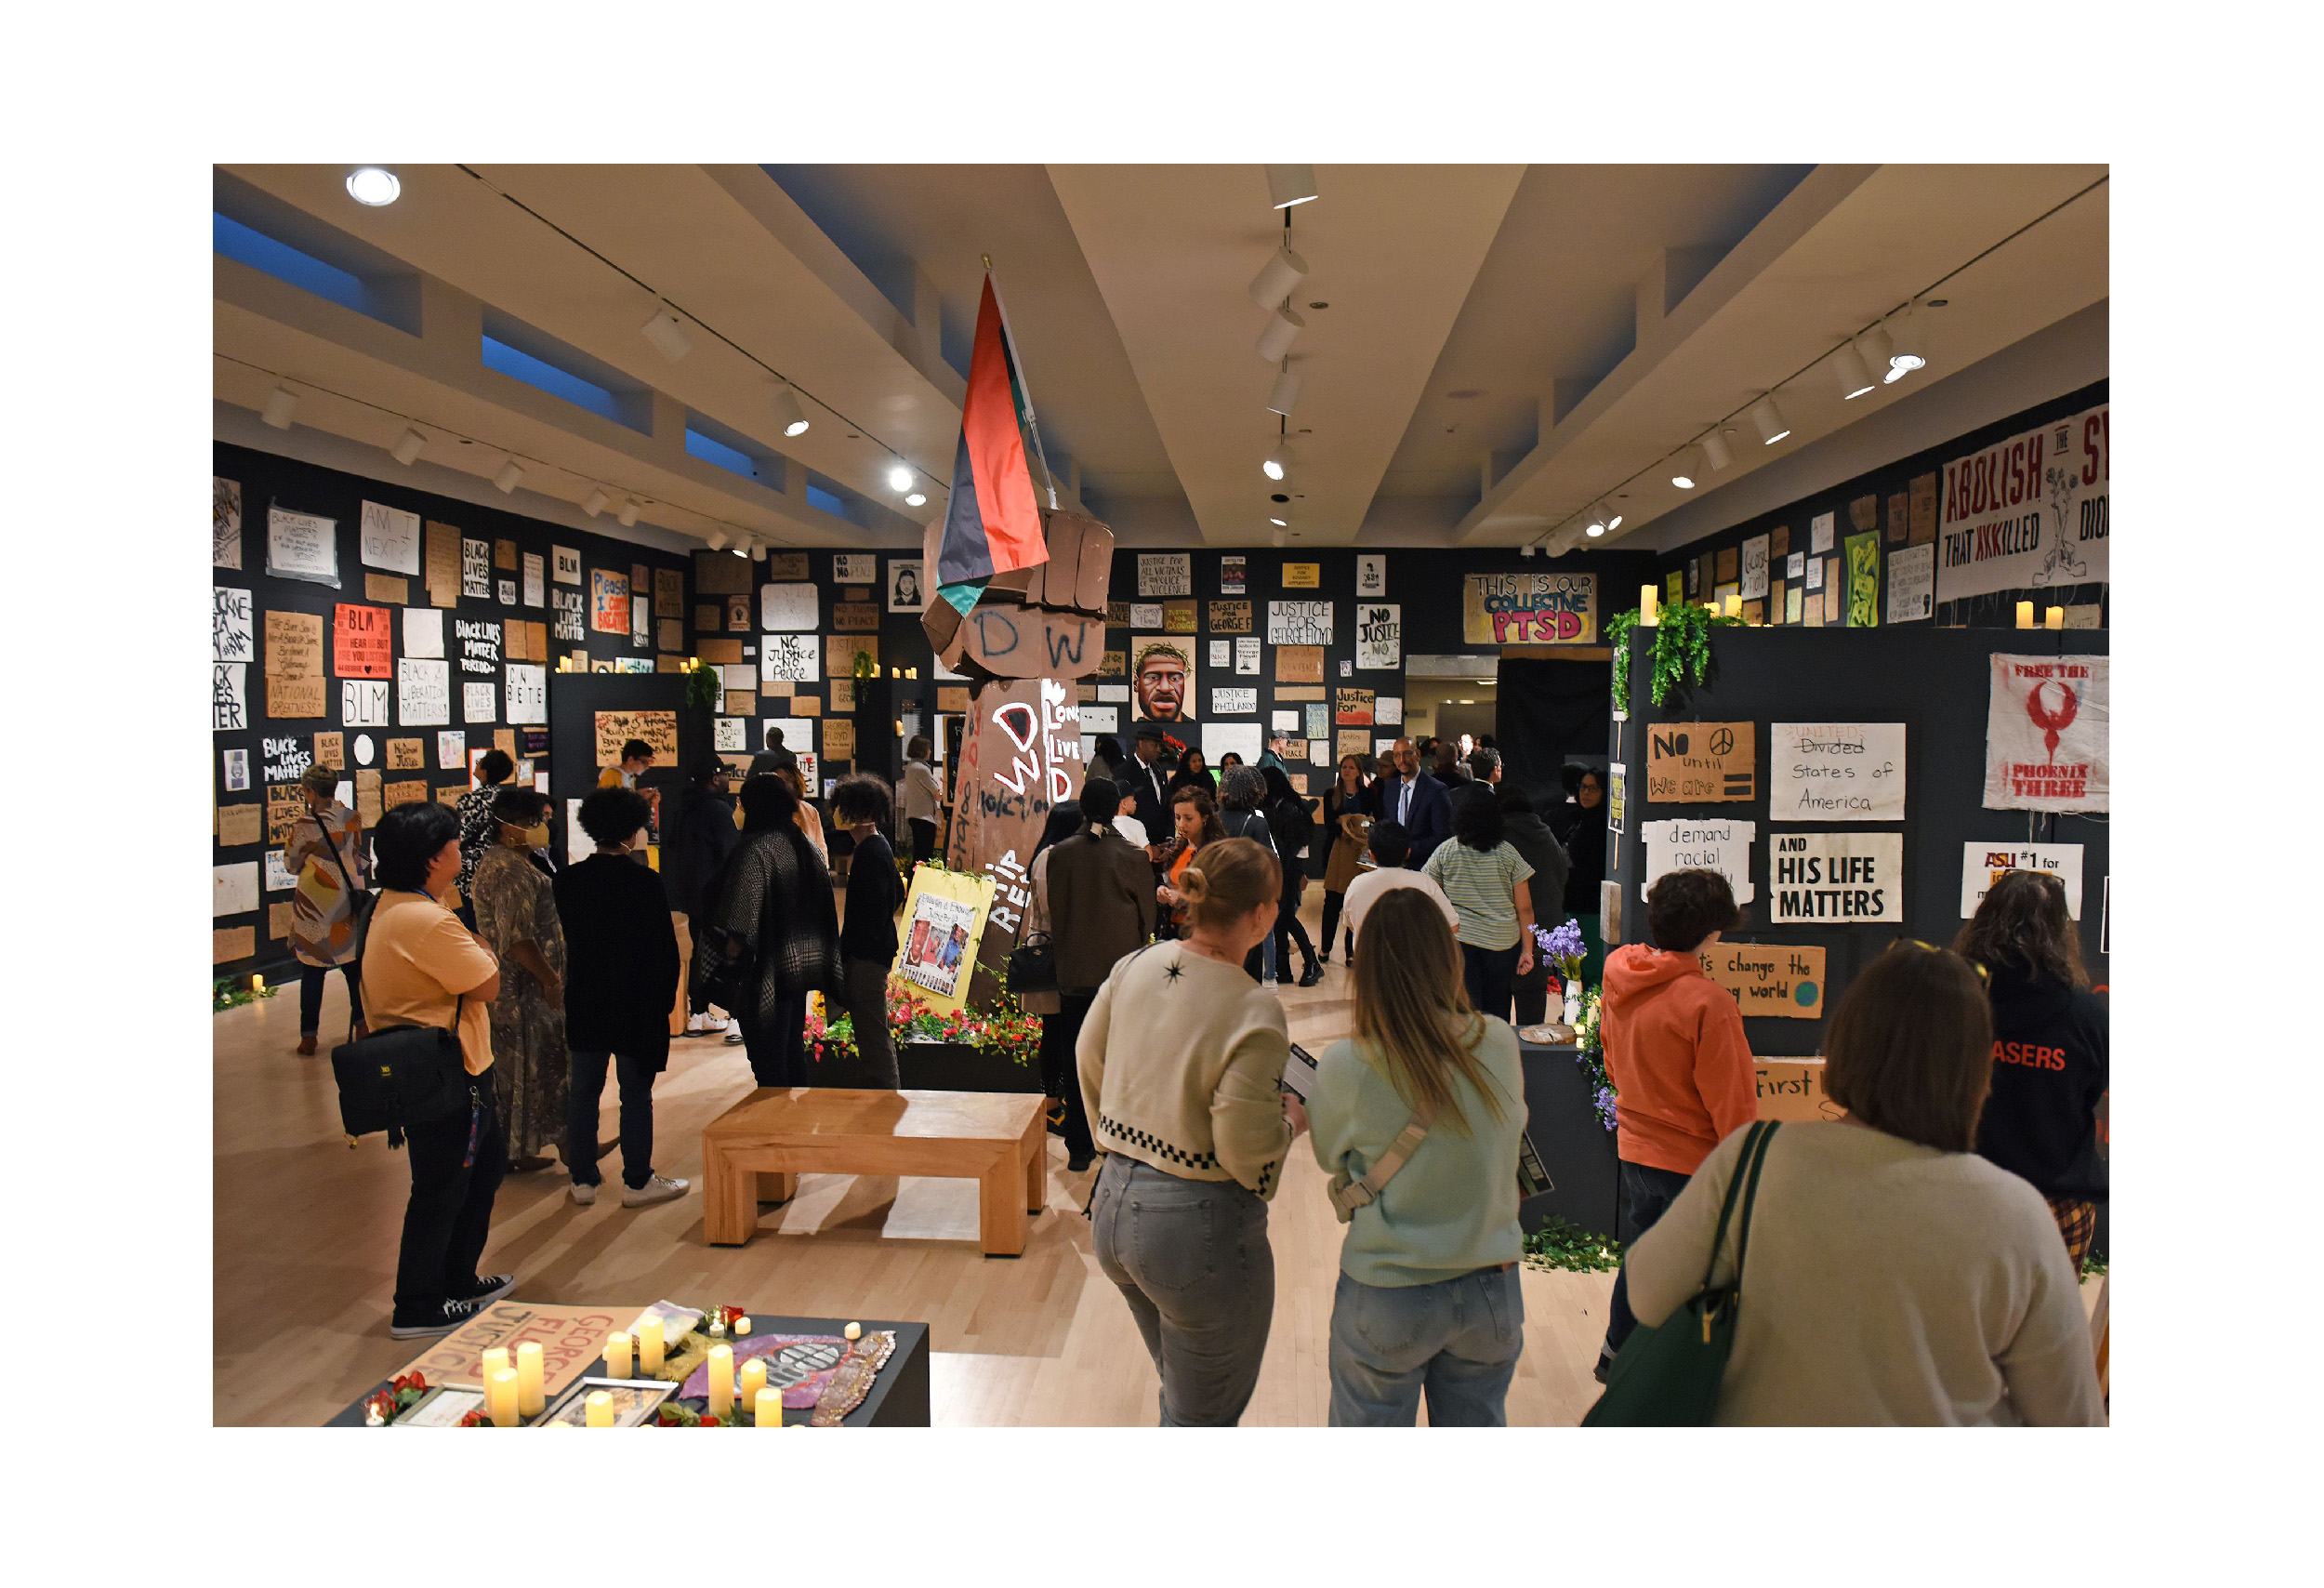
1668	1376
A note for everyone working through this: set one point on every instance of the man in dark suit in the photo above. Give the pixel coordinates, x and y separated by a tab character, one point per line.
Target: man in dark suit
1417	802
1145	779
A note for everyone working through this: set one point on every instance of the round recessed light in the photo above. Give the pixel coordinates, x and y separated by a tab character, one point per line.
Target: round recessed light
899	478
915	498
1278	497
373	185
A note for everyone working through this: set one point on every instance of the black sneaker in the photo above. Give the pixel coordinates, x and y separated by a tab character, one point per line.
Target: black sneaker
490	1287
1313	974
1604	1365
1075	1165
446	1319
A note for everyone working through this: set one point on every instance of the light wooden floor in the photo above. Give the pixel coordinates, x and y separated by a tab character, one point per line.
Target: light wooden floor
306	1231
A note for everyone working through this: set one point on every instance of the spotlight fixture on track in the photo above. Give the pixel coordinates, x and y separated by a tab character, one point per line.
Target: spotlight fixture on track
594	503
788	413
716	540
1715	451
510	472
281	405
1909	353
1770	420
1288	185
1278	538
1688	469
407	446
1594	524
667	334
1283	328
1278	462
1848	367
1285	395
917	498
1527	550
1873	347
1276	279
628	515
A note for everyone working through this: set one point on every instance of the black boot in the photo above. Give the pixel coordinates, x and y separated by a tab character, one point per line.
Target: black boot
1313	973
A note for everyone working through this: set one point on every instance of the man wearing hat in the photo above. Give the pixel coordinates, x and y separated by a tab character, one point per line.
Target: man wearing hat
1272	754
1146	778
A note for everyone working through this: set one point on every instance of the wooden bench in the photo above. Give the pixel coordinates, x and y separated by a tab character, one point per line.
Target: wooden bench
754	1152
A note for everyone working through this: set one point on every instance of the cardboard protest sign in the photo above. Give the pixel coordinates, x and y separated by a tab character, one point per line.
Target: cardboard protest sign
1792	1091
1529	609
1835	772
1700	764
1709	845
1769	979
615	729
1854	878
2046	734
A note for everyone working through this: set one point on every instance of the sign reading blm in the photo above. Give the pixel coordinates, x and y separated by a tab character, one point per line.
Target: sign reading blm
1696	763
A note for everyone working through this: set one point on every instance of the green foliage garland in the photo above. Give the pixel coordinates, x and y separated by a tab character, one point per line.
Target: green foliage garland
1681	648
705	687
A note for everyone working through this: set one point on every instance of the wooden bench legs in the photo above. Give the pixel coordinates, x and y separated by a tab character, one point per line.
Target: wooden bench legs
1016	1183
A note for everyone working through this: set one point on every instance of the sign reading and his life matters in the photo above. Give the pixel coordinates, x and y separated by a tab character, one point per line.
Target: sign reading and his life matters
1713	845
1693	764
1529	609
1768	978
2046	734
1835	876
2029	512
1835	772
1982	864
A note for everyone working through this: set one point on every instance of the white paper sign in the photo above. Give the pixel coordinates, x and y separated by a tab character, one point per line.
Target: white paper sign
1113	693
2046	733
1166	573
788	607
423	693
855	568
1835	772
225	524
1795	566
799	736
1233	702
738	675
230	625
423	631
528	692
1982	864
1755	568
364	703
389	538
1388	710
1101	719
536	579
1298	623
280	878
234	889
1246	656
1371	575
230	706
1836	878
2028	512
568	565
237	770
1223	654
1218	738
1146	614
302	546
1820	532
363	749
730	734
579	845
1912	584
476	569
1283	721
1815	575
1688	846
795	658
1379	636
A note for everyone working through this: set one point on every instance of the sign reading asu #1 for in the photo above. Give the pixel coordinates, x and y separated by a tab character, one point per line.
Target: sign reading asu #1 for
1835	876
1836	771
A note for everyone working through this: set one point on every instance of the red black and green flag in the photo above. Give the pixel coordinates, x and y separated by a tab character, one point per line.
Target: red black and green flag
991	523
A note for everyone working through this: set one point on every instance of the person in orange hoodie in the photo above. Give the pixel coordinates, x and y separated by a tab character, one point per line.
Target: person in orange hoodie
1675	1050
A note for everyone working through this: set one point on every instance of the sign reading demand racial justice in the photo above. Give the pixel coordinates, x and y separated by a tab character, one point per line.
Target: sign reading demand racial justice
1714	845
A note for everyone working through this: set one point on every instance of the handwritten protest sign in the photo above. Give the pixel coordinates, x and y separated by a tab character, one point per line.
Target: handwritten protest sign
2046	734
1529	609
1769	979
1982	864
1700	764
363	643
1837	877
1713	845
1835	772
614	729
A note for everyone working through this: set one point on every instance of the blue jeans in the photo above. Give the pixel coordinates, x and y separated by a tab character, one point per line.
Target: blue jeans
582	1096
1647	1193
1190	1258
1458	1338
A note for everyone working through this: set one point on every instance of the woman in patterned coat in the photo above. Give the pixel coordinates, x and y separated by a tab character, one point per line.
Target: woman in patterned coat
516	913
323	909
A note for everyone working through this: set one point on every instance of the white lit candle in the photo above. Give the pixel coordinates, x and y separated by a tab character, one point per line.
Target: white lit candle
854	1331
2053	618
495	1358
599	1409
754	1379
500	1398
742	1326
721	1379
650	1345
2024	614
530	1396
617	1354
1734	605
767	1407
1646	607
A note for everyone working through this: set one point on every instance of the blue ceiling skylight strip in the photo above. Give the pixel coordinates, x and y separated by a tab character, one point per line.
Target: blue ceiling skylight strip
518	364
285	263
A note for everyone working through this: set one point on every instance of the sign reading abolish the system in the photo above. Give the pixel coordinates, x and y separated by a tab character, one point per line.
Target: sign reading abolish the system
1837	877
1836	771
1769	979
1694	763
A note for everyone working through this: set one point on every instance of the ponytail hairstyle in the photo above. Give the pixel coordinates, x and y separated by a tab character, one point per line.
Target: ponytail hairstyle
1228	880
1412	1008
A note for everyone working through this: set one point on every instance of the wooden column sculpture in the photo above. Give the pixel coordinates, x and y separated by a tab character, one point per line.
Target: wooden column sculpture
1032	637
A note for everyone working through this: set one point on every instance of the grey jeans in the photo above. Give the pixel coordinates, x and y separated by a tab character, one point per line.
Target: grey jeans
1191	1259
867	1004
1458	1338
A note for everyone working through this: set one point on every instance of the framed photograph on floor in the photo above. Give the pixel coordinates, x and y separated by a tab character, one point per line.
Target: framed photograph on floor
635	1401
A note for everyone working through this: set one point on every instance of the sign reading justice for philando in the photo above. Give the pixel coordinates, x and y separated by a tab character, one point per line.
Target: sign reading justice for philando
1835	876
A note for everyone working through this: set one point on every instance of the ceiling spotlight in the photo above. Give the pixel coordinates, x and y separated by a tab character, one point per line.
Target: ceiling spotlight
1595	524
509	476
758	552
1909	354
1848	366
407	446
1278	523
1770	422
1276	278
667	334
1526	550
1283	328
917	498
716	539
1277	463
1715	451
1278	538
899	478
1874	348
1288	185
1688	469
594	503
373	185
1285	395
1613	521
628	515
279	405
788	413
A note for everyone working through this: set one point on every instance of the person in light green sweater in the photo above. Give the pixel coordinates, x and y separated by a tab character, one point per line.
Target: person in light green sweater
1427	1298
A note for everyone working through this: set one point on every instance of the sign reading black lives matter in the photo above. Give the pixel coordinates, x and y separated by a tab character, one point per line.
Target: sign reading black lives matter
1835	876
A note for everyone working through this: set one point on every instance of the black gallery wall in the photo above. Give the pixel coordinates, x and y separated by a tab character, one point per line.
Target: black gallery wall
1884	487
